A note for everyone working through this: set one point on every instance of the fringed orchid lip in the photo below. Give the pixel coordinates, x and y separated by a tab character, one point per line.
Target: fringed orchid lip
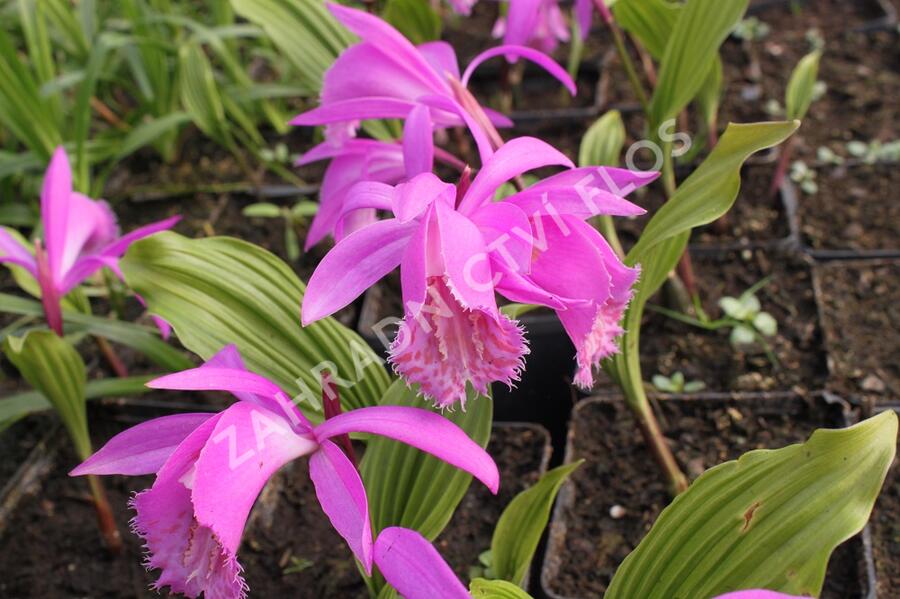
210	468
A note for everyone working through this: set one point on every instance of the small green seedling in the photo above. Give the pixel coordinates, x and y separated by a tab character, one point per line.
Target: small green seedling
805	177
483	569
751	321
676	384
875	151
295	216
752	29
297	565
279	154
826	155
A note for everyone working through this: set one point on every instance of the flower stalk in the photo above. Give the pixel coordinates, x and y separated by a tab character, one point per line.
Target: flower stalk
105	520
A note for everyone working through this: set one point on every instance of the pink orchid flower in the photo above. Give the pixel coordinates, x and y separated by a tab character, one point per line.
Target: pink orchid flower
584	14
356	160
456	247
210	468
536	23
759	594
385	76
80	237
414	567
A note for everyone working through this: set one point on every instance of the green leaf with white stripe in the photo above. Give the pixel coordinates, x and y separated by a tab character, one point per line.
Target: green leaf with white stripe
221	290
769	520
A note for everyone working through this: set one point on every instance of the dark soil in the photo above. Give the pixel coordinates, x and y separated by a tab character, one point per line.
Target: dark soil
52	548
854	209
886	535
668	346
860	306
704	433
860	71
17	442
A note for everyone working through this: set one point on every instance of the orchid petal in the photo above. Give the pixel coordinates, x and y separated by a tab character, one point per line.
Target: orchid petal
507	234
55	209
466	263
535	56
485	149
414	265
387	39
142	449
121	245
413	197
329	149
521	21
583	192
176	543
354	265
248	445
368	194
584	15
422	429
341	111
414	567
418	142
518	288
498	119
515	157
343	499
13	252
442	58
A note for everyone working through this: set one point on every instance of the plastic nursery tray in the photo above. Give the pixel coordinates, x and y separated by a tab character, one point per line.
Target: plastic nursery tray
881	588
832	411
792	198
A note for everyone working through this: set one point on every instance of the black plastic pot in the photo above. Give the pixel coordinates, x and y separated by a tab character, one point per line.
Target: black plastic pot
883	552
722	412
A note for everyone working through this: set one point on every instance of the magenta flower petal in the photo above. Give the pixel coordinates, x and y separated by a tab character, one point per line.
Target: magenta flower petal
248	445
442	58
210	378
354	265
388	40
506	231
191	558
414	567
422	429
118	248
584	15
355	109
535	56
521	21
13	252
142	449
55	210
412	198
466	265
343	499
485	149
418	142
515	157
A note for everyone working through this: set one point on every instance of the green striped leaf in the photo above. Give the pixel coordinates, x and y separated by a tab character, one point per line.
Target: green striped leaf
56	370
220	290
496	589
769	520
801	86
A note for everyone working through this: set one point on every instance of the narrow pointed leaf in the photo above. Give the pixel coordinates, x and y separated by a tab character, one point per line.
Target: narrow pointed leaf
481	588
522	523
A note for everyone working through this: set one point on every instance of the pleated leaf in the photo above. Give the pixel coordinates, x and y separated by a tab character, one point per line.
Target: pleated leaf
769	520
481	588
522	523
56	370
221	290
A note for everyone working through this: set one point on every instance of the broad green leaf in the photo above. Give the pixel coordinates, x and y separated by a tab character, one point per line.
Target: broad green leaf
522	523
200	94
801	85
710	94
711	190
30	402
409	488
651	21
220	290
304	32
496	589
690	53
140	338
54	368
603	142
769	520
415	19
150	131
